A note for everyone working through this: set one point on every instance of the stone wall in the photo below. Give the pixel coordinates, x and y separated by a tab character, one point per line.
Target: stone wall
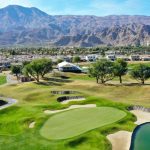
67	98
139	108
64	92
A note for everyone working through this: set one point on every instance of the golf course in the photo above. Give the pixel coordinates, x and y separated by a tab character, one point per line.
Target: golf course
26	126
75	122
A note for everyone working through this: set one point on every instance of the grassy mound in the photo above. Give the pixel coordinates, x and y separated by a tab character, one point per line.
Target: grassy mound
75	122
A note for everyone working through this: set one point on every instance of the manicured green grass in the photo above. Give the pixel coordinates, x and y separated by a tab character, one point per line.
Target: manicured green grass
2	79
78	121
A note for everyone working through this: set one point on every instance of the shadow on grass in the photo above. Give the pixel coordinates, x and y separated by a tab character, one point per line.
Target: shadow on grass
77	142
48	83
125	84
63	80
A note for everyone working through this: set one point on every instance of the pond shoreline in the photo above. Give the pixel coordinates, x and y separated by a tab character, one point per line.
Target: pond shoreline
134	135
143	117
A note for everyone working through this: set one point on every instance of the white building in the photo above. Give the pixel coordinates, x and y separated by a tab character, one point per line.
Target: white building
145	57
69	67
91	58
125	58
111	57
135	57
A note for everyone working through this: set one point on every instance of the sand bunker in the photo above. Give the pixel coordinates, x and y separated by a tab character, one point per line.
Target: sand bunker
32	125
120	140
71	107
142	117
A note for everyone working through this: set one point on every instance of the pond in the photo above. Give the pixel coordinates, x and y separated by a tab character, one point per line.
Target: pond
141	137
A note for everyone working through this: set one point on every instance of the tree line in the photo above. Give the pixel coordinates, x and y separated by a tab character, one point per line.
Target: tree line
104	70
73	51
37	68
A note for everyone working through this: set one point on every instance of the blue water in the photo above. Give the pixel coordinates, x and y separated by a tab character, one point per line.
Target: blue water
141	138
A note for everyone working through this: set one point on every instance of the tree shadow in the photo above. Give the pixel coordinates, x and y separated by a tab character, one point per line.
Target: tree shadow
52	79
125	84
48	83
77	142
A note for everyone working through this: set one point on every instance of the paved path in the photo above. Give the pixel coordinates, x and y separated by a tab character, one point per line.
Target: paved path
10	102
10	79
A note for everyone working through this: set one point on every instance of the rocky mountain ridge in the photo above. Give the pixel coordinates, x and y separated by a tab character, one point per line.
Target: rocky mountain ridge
31	26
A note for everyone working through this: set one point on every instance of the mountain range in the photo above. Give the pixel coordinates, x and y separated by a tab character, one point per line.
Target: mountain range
30	27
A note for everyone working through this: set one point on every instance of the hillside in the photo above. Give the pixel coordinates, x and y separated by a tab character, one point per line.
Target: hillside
31	26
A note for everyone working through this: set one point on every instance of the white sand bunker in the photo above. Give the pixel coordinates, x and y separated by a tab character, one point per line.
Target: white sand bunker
120	140
71	107
67	99
73	100
142	117
32	125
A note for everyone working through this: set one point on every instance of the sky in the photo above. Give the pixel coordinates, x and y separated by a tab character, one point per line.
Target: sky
86	7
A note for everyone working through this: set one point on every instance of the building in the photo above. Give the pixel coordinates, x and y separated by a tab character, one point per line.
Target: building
145	58
135	57
125	58
91	58
4	65
110	53
69	67
111	57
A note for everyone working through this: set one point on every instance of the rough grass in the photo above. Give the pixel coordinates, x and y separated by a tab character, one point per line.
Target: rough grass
131	92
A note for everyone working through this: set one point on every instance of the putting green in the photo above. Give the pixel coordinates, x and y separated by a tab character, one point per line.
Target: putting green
77	121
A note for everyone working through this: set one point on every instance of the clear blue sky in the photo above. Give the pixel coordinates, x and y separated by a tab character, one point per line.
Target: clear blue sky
86	7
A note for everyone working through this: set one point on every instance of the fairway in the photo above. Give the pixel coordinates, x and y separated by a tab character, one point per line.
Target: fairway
78	121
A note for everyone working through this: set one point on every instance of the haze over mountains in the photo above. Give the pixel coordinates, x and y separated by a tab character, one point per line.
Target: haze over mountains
30	26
